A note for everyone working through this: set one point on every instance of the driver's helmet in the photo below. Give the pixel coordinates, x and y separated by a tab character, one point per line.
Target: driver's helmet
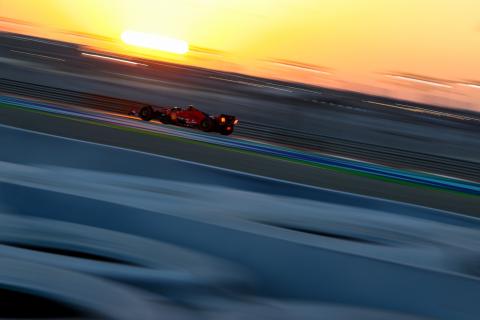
190	107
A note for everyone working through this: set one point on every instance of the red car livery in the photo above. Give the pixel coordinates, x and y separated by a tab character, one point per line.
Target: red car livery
188	117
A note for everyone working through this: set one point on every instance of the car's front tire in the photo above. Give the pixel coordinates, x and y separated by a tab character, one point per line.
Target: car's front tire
206	124
226	132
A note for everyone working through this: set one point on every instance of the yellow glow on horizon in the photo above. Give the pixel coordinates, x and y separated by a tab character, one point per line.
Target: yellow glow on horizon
155	42
357	41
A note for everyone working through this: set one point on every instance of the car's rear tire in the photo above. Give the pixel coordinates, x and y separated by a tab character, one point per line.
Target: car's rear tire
206	124
146	113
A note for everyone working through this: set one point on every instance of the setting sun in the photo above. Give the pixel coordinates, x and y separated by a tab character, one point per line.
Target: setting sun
156	42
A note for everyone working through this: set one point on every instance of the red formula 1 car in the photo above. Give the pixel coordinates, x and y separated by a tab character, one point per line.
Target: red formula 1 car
188	117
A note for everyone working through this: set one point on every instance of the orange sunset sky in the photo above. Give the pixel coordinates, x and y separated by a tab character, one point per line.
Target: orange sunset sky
353	44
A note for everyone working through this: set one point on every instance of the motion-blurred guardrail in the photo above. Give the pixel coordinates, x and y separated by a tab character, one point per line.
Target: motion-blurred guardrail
37	291
297	242
362	151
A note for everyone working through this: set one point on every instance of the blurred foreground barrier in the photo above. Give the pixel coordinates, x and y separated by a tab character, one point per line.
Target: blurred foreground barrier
287	310
299	242
35	291
163	268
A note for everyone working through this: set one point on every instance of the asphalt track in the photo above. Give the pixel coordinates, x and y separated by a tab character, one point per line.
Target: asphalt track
285	169
392	157
120	119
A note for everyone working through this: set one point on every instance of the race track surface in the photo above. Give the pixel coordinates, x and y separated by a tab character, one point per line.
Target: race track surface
274	167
